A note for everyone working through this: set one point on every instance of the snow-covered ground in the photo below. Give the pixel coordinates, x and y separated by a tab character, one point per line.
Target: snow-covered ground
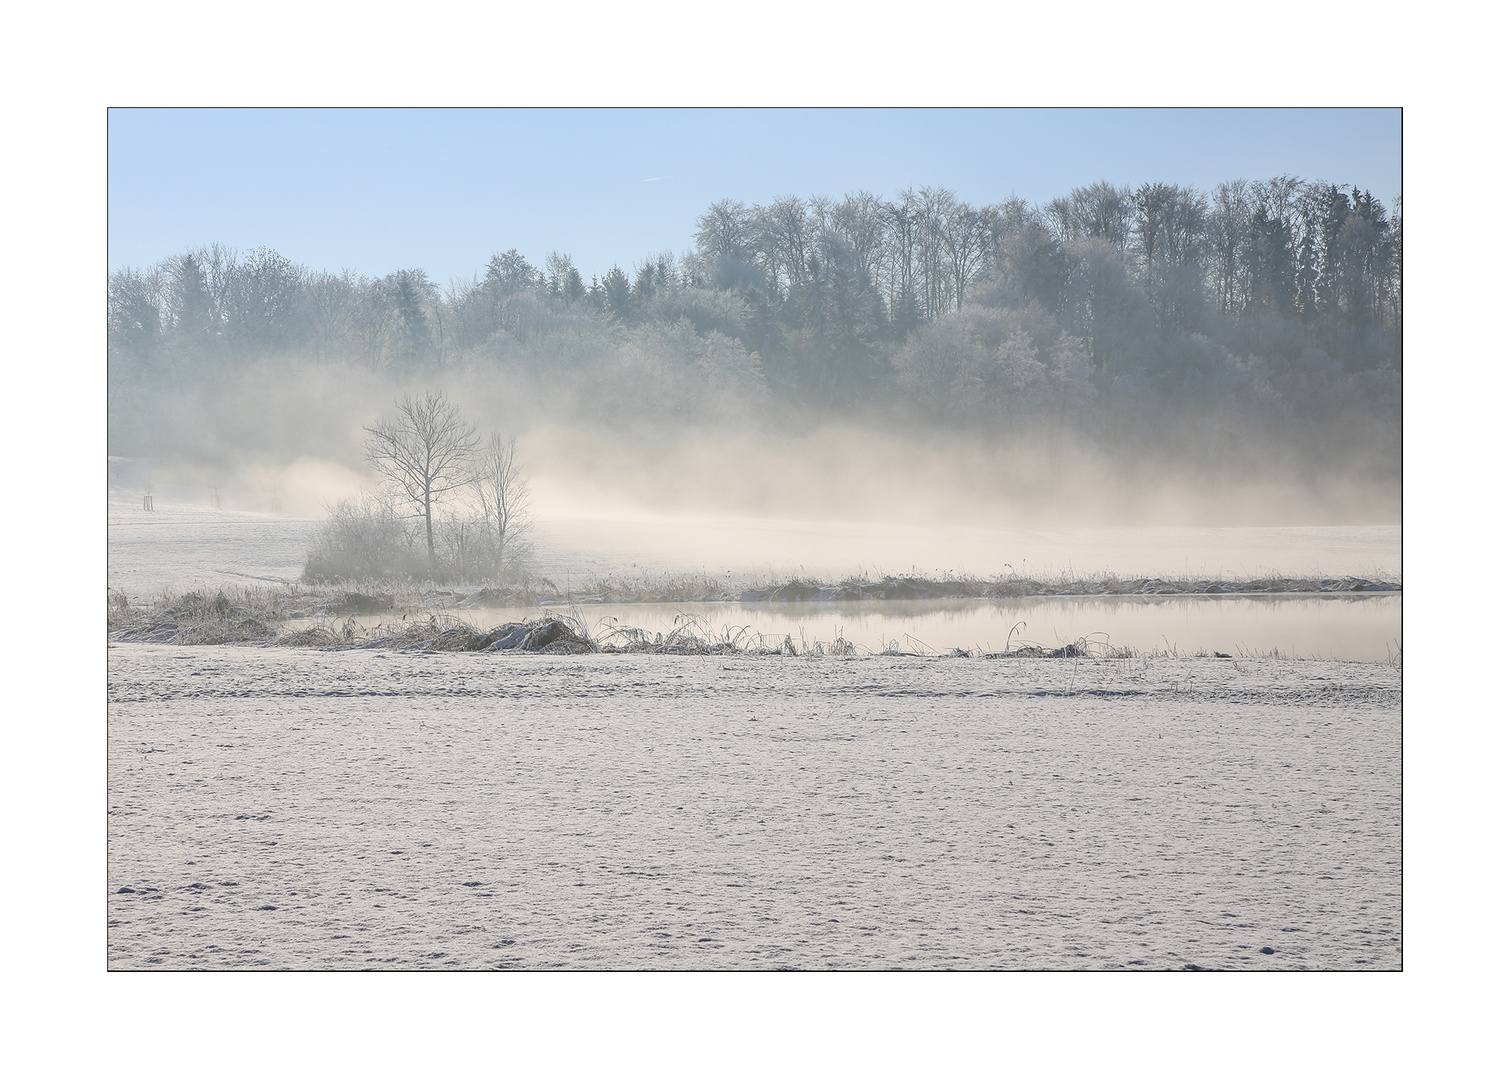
181	543
297	809
834	550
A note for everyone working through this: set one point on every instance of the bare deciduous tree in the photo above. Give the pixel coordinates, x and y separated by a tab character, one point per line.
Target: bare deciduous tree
505	496
427	451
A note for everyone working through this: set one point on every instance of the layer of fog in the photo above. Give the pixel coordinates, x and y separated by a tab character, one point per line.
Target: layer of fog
285	436
1157	355
185	544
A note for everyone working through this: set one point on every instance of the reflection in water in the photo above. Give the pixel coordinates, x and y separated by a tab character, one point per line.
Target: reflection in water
1339	627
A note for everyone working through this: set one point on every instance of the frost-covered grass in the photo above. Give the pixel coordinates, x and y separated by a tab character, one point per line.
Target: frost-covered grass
1015	586
757	622
690	588
266	603
254	615
238	614
654	588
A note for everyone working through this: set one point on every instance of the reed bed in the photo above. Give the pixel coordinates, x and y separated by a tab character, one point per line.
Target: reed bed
423	617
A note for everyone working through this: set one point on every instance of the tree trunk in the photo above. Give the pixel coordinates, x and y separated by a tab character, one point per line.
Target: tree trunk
429	535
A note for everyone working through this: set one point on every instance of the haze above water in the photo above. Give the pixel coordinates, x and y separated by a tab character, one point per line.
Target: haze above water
835	550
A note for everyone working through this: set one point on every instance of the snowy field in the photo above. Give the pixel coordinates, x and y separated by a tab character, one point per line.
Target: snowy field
183	543
834	550
296	809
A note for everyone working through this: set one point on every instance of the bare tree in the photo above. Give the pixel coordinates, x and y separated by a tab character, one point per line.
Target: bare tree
1227	229
505	496
860	220
791	236
725	231
427	451
935	207
967	240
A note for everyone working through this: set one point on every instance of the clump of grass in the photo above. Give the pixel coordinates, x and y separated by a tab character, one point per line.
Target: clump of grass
243	613
117	611
548	633
652	589
225	633
1010	586
359	603
312	637
225	616
1091	647
689	635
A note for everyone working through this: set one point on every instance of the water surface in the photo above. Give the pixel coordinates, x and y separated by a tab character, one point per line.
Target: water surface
1337	627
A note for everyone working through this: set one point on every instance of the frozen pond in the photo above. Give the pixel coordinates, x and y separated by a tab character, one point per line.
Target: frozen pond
296	809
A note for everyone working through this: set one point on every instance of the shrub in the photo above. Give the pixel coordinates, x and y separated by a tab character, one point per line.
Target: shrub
365	539
467	549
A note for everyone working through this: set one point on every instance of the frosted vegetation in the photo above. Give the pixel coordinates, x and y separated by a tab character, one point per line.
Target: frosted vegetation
1136	334
451	508
253	616
422	617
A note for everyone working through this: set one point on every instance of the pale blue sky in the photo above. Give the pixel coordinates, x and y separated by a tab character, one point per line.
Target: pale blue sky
376	190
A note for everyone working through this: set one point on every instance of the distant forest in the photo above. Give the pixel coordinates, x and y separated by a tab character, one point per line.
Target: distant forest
1111	314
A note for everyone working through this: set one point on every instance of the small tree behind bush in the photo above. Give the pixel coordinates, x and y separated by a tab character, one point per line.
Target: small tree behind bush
468	550
425	453
449	512
504	499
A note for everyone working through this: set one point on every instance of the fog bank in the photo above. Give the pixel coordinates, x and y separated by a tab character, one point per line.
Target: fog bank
1117	356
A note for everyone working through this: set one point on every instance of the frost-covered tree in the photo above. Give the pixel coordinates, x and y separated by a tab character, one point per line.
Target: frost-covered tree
260	301
411	292
425	452
508	273
616	294
504	497
134	313
1227	229
1272	297
563	280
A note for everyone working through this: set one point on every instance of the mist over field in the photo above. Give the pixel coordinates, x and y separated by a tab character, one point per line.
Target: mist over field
784	603
1130	356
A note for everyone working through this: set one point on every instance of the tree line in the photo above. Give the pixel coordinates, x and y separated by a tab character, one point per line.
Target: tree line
1279	298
